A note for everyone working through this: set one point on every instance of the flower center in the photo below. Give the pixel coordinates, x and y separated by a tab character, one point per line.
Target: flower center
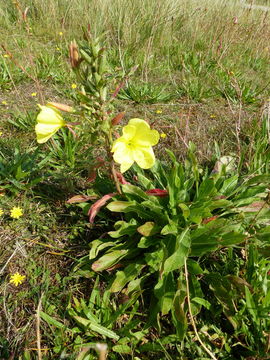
130	144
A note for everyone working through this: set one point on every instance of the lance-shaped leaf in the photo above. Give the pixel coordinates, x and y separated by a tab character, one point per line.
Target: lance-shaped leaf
177	259
88	324
125	276
119	206
148	229
94	209
81	198
157	192
108	260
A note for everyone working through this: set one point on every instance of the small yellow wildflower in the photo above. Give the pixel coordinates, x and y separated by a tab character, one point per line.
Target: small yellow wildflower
16	212
6	56
60	33
159	112
73	86
4	102
163	135
34	94
212	116
57	49
1	133
17	279
1	212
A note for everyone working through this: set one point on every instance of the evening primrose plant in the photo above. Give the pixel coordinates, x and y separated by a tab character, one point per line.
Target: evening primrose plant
164	221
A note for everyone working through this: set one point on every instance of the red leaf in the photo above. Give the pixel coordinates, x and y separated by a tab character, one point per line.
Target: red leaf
157	192
94	209
92	176
121	178
80	198
207	220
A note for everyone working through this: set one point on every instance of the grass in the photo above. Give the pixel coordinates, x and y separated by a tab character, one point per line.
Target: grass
201	76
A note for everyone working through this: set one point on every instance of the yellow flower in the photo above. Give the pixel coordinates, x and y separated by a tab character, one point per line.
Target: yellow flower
135	145
4	102
49	121
34	94
16	212
6	56
1	212
159	112
163	135
60	33
1	133
212	116
17	279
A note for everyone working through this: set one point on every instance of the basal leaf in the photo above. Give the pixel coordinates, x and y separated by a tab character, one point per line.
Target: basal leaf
177	259
109	259
125	276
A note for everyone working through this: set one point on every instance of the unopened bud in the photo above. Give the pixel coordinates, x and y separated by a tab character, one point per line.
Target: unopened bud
116	120
74	55
62	107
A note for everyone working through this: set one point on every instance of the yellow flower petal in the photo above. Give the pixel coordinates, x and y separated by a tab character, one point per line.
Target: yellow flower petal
45	131
144	157
129	132
144	136
122	153
125	166
49	121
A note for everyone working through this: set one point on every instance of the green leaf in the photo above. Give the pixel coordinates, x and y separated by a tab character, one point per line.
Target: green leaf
148	229
124	228
97	246
185	210
232	238
229	185
177	259
108	260
134	190
165	292
170	228
146	242
220	204
202	302
51	320
119	206
122	349
265	179
194	268
125	276
207	188
252	309
179	312
88	324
